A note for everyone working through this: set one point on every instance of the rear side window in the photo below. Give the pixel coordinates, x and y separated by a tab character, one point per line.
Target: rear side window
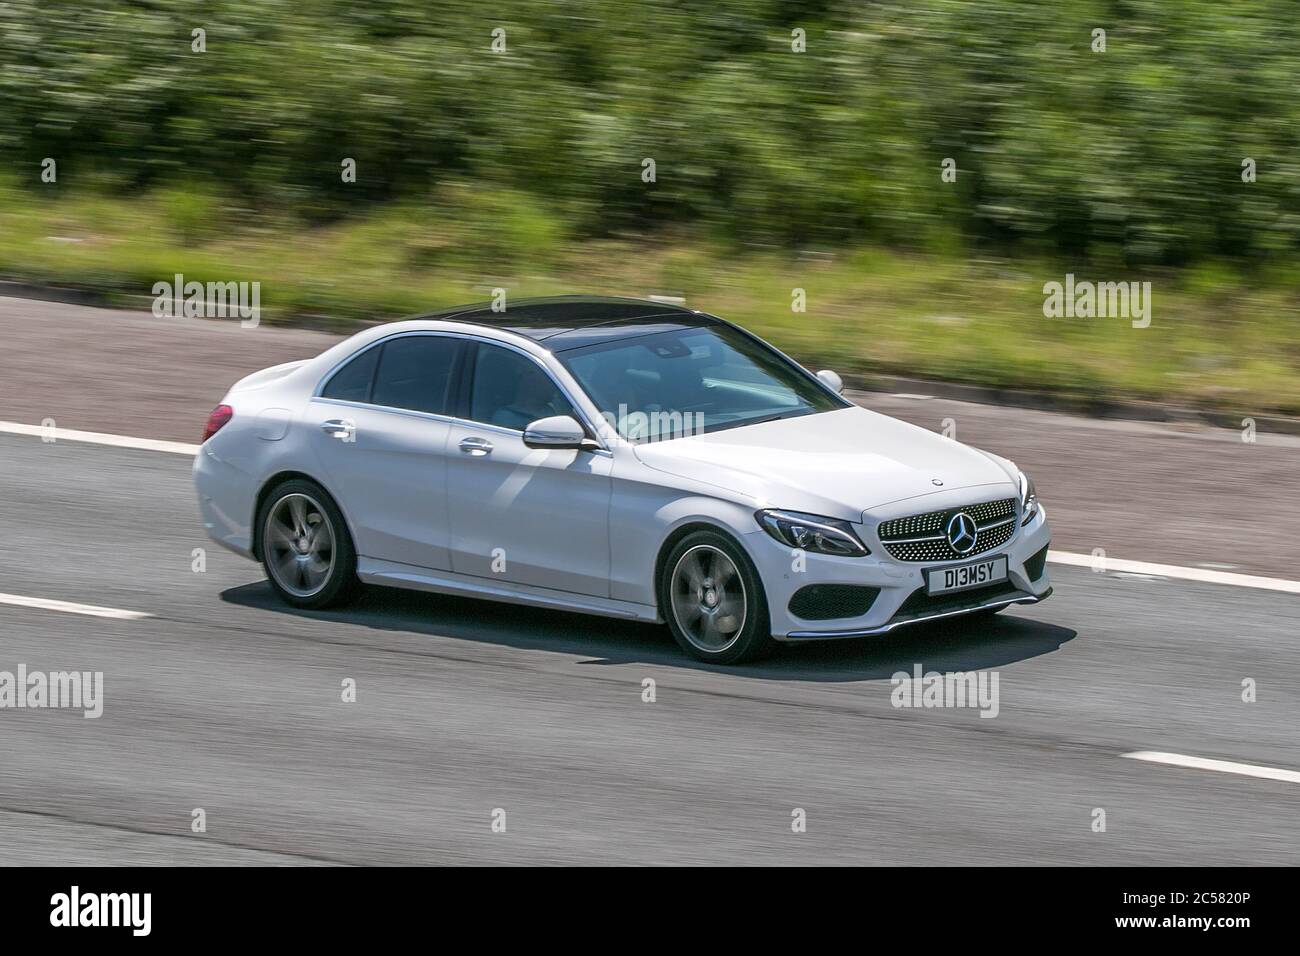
414	372
351	383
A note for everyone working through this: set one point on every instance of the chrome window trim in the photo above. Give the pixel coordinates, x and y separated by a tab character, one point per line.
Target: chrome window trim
394	409
568	396
325	379
316	395
518	433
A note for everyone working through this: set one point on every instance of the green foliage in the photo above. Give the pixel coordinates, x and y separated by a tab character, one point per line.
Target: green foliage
1133	154
775	169
1221	336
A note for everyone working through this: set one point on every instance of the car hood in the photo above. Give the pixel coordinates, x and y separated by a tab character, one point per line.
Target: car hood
839	464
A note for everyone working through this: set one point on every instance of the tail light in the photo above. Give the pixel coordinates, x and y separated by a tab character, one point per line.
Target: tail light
217	420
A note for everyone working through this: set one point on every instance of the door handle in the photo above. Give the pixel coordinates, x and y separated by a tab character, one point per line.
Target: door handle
478	447
340	429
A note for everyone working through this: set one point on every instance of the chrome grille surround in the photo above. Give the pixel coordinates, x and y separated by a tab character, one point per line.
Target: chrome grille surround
923	537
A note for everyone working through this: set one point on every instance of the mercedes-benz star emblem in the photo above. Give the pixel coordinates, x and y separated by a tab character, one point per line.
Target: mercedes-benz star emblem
962	532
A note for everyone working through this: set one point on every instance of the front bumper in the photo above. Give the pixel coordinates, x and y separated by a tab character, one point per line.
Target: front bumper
978	604
901	597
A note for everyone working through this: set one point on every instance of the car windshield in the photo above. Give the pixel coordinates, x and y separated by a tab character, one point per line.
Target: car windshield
692	381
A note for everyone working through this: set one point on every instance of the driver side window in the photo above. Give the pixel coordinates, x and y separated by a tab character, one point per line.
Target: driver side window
512	391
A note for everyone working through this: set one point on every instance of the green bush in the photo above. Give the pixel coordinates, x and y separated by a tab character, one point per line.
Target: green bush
1132	155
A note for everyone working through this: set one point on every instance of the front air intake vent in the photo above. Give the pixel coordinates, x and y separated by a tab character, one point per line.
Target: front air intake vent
824	602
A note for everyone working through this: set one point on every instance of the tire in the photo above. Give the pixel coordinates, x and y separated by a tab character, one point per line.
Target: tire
719	625
325	573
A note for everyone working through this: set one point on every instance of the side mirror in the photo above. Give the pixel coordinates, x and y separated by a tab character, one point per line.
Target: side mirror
558	431
830	378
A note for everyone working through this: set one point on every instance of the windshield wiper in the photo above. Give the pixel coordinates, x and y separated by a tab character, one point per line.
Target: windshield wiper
760	421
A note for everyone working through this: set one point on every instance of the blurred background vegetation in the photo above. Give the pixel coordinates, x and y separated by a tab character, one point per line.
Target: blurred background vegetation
774	169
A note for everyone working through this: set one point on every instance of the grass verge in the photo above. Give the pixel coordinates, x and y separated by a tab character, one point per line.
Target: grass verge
1218	339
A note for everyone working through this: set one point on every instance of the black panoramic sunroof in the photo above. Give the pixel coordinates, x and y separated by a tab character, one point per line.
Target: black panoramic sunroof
565	322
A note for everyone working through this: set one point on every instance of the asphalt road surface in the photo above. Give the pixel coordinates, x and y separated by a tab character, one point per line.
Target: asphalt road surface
223	699
227	701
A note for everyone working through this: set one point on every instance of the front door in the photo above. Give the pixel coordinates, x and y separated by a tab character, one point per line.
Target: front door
523	515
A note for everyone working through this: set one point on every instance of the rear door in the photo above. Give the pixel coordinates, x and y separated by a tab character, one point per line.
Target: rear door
523	515
380	427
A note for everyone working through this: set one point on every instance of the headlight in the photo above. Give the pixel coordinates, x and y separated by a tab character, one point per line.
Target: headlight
1028	499
812	533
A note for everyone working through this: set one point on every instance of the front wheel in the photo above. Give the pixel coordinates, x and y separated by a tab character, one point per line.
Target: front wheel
306	549
713	600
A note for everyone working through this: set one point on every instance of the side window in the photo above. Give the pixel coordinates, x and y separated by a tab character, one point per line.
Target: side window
414	372
351	383
512	390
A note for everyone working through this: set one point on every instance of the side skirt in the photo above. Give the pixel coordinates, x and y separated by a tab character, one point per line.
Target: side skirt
394	575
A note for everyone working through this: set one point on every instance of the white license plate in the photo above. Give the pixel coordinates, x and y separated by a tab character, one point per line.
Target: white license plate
963	576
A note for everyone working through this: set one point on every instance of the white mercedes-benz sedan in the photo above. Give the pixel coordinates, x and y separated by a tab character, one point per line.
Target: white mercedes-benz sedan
618	457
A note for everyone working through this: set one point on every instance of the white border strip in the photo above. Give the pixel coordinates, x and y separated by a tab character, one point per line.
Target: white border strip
1222	766
99	438
68	607
1174	571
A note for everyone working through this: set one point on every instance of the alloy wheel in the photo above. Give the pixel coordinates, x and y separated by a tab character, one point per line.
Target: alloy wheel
708	598
300	545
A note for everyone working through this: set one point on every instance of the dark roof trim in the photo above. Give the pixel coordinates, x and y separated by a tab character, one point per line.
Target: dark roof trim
545	318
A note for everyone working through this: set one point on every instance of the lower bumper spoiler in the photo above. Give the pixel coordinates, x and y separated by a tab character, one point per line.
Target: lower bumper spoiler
1005	600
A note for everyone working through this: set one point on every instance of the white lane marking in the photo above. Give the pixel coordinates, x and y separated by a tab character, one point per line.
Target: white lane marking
1055	557
100	438
1174	571
68	607
1222	766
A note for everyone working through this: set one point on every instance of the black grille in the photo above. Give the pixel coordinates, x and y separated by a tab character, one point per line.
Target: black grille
924	537
1035	565
822	602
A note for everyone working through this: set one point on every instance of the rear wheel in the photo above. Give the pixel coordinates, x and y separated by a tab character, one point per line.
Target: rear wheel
713	600
306	549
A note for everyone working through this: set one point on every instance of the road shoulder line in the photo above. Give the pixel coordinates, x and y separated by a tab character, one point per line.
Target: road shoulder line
1174	571
1221	766
70	607
57	434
